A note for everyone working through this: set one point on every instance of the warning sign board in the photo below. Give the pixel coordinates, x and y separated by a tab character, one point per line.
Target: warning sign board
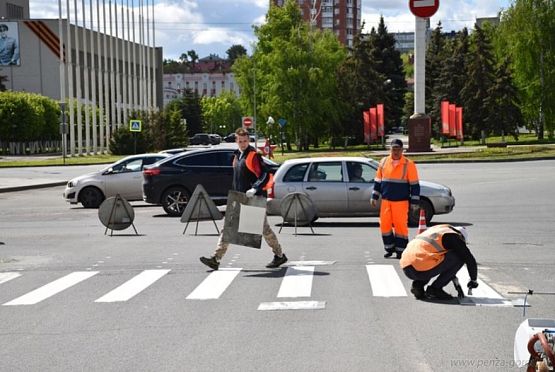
135	125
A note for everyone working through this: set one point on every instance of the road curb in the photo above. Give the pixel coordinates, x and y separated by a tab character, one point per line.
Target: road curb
30	187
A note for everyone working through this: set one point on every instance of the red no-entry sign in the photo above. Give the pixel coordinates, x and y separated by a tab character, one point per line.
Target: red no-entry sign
247	121
423	8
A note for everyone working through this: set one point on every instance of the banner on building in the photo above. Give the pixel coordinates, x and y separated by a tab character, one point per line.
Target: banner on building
9	44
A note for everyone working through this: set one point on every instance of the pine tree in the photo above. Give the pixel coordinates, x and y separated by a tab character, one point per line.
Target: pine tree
452	77
360	85
479	81
435	58
389	64
505	117
189	107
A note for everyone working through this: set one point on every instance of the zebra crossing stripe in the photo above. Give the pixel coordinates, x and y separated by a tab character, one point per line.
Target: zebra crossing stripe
51	288
295	305
484	295
385	281
133	286
6	277
297	282
214	285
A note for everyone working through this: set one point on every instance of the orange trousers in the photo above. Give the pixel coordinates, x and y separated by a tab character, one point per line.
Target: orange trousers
394	225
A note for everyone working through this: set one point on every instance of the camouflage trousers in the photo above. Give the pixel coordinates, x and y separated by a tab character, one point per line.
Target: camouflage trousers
267	233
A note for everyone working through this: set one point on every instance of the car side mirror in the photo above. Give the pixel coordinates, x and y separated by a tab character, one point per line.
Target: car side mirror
109	171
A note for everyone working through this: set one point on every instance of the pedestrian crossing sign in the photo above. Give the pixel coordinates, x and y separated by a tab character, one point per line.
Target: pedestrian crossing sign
135	125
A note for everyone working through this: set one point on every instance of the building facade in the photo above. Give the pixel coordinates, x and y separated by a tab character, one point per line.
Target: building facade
211	76
342	17
85	68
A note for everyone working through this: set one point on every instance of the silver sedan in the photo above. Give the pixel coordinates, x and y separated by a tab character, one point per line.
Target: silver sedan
342	187
124	177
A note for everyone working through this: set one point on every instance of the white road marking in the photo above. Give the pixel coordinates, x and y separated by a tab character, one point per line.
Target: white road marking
297	282
51	288
310	263
5	277
214	285
385	281
295	305
484	295
133	286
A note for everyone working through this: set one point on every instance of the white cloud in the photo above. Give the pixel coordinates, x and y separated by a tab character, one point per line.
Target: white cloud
212	26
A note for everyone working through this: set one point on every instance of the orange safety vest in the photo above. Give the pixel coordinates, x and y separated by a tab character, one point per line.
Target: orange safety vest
426	250
254	167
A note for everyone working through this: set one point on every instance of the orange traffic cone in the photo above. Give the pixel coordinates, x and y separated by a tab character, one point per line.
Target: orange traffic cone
422	222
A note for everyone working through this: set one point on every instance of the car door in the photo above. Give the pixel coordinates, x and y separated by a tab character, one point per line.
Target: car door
324	183
212	169
126	179
359	188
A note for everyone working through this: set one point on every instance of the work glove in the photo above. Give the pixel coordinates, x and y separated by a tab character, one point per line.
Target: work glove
472	284
250	193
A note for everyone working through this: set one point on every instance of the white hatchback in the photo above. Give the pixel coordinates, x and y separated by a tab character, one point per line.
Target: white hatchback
342	187
124	177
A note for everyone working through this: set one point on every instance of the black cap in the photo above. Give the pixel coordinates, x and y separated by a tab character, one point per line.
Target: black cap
396	143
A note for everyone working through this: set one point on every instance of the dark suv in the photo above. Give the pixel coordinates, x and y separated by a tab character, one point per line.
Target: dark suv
171	182
200	139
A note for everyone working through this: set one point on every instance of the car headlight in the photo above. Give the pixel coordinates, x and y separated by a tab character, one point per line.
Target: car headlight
72	183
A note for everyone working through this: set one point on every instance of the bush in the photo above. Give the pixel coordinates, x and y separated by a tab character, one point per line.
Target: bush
123	142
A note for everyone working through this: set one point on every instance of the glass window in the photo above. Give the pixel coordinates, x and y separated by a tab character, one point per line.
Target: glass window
296	173
360	172
326	172
204	159
148	161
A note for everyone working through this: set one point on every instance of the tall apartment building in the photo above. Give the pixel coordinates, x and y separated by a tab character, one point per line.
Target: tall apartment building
340	16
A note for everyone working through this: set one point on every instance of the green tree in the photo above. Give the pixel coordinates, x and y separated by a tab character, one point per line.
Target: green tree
506	117
452	77
435	58
176	128
360	85
221	114
479	82
234	52
189	107
389	64
291	74
527	35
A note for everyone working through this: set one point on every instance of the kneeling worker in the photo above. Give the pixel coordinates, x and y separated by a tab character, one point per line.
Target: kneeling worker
440	250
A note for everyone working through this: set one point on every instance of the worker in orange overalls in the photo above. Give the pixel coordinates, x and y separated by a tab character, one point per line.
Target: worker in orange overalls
439	251
397	184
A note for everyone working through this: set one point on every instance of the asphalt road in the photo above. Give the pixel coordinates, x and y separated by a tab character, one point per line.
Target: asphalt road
508	208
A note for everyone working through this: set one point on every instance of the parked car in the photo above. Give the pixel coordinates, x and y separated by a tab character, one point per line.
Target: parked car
231	137
215	139
174	151
124	177
172	181
200	139
331	185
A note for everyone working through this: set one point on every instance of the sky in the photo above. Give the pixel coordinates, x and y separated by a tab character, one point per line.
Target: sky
212	26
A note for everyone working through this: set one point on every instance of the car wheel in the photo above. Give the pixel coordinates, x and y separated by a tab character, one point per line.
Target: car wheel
91	197
414	218
174	200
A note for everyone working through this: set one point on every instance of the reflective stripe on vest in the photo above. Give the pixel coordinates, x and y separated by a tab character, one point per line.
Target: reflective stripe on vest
426	250
404	175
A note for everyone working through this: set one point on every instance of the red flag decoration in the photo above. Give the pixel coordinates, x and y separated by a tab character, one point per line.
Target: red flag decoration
459	120
366	120
381	118
445	118
452	119
373	123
